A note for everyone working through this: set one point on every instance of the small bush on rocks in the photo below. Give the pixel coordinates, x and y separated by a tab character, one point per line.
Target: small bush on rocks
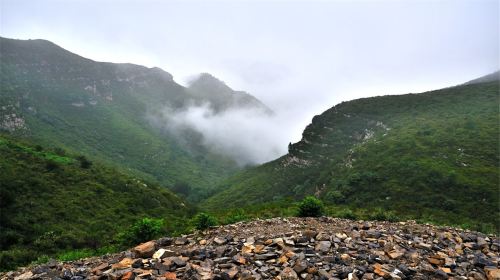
384	215
143	230
310	207
237	216
346	214
203	221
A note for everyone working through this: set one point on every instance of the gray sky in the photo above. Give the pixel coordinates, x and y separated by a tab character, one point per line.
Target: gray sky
299	57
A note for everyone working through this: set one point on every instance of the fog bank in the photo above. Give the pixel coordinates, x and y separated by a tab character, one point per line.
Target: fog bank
248	136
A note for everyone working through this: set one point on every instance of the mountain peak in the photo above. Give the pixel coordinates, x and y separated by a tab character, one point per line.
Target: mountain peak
207	80
220	96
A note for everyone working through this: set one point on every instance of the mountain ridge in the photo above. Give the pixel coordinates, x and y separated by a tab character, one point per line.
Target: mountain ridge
104	110
381	152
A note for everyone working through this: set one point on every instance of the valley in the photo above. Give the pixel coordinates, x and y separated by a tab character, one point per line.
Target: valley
95	160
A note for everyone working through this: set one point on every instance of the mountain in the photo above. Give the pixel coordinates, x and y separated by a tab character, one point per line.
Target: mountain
52	201
108	111
495	76
221	97
431	156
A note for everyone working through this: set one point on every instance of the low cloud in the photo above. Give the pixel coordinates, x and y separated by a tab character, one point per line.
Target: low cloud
248	136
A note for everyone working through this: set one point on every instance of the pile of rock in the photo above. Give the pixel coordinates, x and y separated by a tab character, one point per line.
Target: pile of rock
295	248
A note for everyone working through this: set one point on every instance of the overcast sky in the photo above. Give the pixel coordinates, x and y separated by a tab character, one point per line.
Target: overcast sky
299	57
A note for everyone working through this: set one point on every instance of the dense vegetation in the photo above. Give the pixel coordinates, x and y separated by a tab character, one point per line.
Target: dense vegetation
432	156
52	202
113	113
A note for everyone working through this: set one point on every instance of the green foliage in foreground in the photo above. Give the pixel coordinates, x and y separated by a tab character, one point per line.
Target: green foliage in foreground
53	202
143	230
203	221
430	157
310	207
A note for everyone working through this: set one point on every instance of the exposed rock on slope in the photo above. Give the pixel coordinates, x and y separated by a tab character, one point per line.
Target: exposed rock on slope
296	248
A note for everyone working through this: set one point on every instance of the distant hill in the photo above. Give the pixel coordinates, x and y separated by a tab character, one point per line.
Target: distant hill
52	201
104	110
431	156
207	88
493	77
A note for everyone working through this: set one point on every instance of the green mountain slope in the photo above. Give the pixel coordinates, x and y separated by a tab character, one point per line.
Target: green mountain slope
432	156
51	201
106	111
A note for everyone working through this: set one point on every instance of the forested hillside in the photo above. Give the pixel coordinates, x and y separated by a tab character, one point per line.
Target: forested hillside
110	112
52	201
432	156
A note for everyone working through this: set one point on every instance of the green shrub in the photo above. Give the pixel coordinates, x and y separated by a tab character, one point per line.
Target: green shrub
51	165
203	221
10	259
346	214
335	196
236	216
383	215
143	230
84	162
75	254
310	207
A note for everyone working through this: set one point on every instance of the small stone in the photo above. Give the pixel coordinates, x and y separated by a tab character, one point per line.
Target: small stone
170	276
145	250
323	273
380	271
492	272
100	268
247	248
352	276
424	246
300	266
24	276
435	261
279	242
259	248
282	260
481	242
323	246
345	257
396	254
127	276
322	236
163	253
445	270
164	241
288	274
124	263
178	261
309	233
220	241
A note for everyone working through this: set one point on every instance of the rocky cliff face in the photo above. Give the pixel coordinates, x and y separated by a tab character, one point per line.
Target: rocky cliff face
295	248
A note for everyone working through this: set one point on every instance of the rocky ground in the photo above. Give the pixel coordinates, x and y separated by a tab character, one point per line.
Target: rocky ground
295	248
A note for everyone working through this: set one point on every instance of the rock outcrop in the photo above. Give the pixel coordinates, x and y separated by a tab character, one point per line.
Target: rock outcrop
295	248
